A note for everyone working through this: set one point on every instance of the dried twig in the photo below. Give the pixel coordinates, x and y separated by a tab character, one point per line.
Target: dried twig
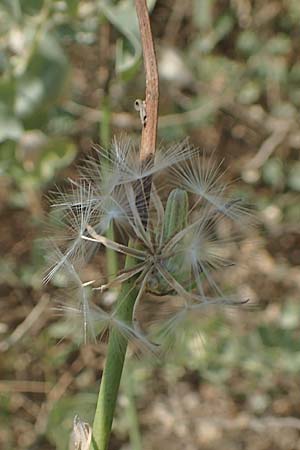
25	326
36	387
148	140
269	145
149	108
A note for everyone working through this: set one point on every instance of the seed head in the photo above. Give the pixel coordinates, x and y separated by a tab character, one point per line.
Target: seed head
177	245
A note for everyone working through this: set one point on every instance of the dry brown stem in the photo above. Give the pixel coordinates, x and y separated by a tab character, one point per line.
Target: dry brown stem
150	106
149	130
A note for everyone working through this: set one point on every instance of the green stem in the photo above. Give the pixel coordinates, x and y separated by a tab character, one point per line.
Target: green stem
117	346
105	131
111	256
104	135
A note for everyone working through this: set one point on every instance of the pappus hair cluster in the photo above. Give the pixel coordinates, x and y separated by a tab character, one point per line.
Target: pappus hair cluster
168	213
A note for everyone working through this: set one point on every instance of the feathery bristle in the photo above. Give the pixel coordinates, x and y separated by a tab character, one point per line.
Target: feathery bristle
78	211
177	252
204	178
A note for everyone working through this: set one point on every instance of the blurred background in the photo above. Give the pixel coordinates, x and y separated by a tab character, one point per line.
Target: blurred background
230	80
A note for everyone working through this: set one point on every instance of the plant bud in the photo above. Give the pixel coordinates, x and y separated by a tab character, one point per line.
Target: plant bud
175	213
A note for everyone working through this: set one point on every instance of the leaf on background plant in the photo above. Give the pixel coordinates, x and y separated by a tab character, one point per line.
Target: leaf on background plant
209	41
269	67
43	80
217	69
10	126
294	74
248	42
223	26
293	11
203	14
35	159
7	156
10	8
273	173
72	7
32	7
128	50
279	45
289	319
249	93
284	109
59	153
293	179
278	337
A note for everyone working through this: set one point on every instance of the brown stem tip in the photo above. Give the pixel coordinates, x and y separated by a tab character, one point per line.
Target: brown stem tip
149	130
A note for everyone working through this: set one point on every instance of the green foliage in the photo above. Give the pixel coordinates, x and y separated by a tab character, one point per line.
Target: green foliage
41	82
31	86
35	159
231	56
10	126
273	173
293	180
128	48
36	77
269	350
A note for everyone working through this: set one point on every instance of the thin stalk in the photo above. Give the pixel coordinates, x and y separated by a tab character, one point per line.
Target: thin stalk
105	132
112	270
105	124
111	377
111	256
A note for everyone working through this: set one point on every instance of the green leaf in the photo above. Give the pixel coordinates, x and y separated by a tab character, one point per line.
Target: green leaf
36	159
7	156
211	67
273	173
284	109
293	11
221	29
43	80
10	126
294	176
270	67
31	7
11	8
203	13
248	42
279	45
294	75
128	51
249	93
58	153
